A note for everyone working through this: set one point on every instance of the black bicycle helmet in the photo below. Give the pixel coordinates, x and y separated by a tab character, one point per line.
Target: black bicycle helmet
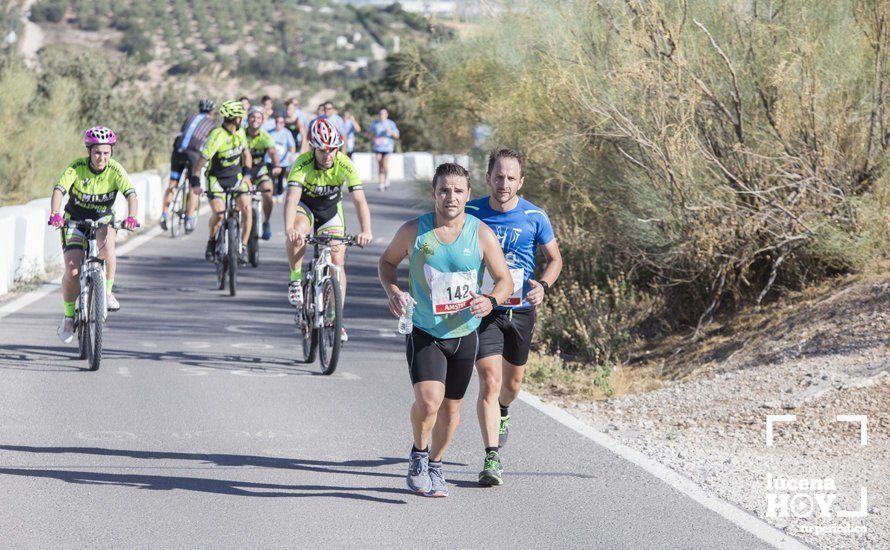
206	105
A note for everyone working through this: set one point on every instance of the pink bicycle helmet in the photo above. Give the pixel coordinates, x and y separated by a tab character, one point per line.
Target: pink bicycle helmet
98	135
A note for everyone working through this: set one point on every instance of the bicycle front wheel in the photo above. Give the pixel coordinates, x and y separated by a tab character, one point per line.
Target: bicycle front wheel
95	321
234	241
253	243
306	324
332	325
80	325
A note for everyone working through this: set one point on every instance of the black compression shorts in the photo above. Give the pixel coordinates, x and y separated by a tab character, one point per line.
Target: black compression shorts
449	361
501	333
180	160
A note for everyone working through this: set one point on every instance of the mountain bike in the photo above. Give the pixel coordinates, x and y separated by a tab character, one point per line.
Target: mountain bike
90	311
320	320
228	241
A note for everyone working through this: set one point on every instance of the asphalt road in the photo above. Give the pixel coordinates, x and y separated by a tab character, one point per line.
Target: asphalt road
201	430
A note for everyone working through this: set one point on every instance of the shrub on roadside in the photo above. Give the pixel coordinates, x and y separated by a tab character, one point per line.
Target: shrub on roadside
713	154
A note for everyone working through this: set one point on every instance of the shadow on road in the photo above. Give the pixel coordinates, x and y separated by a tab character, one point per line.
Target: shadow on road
206	485
218	486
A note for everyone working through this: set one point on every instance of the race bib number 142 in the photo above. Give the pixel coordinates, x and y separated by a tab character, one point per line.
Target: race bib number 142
451	292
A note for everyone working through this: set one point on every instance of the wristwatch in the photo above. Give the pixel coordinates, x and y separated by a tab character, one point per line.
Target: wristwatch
494	301
546	286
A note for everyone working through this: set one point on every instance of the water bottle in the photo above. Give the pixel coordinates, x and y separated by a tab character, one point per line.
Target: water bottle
406	321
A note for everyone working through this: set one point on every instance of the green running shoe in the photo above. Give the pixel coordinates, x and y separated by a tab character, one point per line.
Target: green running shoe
491	470
503	430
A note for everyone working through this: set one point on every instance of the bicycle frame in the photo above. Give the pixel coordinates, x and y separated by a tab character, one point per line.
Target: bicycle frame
91	267
231	213
323	269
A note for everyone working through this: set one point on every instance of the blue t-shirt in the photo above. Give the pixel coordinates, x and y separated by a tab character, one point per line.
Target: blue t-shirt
350	136
284	140
519	231
380	141
268	124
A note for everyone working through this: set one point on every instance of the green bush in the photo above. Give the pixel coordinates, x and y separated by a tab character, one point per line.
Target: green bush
51	11
40	129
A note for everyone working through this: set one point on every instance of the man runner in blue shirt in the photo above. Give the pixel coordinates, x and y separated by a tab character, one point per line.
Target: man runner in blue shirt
505	334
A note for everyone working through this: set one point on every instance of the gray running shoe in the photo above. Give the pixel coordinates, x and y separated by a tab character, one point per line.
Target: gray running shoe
418	479
438	488
503	430
491	470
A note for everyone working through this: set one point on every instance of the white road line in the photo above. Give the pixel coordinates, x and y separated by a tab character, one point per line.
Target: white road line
732	513
124	371
384	333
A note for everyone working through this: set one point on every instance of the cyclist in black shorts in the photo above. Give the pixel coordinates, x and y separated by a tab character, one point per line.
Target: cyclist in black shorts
446	250
186	152
505	335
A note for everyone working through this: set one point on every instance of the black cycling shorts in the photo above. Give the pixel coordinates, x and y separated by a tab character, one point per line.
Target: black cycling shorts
449	361
508	335
180	160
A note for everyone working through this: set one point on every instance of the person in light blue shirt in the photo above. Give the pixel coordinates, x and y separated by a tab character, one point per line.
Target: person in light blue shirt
297	122
268	113
352	128
505	334
285	147
383	132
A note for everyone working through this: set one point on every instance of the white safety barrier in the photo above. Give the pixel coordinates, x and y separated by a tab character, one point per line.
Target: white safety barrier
419	166
27	242
412	166
463	160
35	252
52	249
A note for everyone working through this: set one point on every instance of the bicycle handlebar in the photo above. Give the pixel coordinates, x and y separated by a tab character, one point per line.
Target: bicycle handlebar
348	240
93	224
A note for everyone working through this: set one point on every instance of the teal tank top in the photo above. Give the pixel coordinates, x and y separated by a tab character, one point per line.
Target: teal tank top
441	276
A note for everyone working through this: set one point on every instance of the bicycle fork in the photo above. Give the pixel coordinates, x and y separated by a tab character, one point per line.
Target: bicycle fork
323	270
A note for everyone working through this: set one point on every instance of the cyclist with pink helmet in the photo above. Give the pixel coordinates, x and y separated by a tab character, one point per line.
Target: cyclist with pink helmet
315	200
93	183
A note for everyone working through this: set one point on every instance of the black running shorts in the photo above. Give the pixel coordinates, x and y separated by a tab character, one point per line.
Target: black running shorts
508	335
449	361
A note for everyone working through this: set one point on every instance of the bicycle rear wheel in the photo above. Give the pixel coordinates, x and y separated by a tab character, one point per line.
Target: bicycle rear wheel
306	324
95	321
332	325
234	241
177	222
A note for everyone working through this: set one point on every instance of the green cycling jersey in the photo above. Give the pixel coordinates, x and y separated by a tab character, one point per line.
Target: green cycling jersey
93	194
223	151
322	188
259	145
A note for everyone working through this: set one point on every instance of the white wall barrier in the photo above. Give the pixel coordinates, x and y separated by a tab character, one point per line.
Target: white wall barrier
412	166
35	250
27	243
419	166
